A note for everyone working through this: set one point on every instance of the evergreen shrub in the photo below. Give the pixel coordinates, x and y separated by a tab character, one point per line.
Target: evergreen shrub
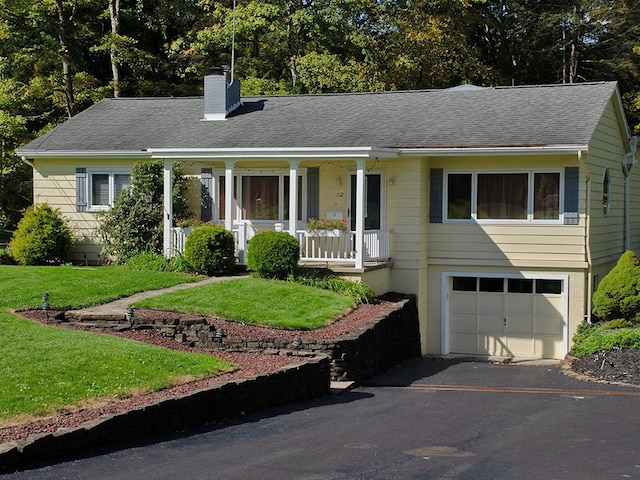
618	294
273	254
210	249
42	237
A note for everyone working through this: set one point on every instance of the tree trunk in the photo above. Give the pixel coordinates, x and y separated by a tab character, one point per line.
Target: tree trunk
64	56
114	14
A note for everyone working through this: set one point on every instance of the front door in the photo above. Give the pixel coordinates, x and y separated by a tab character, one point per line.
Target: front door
373	201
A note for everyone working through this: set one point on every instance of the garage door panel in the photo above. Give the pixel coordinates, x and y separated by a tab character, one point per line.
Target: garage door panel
490	324
491	303
464	302
517	322
492	345
519	303
521	345
520	324
549	325
464	343
548	346
464	322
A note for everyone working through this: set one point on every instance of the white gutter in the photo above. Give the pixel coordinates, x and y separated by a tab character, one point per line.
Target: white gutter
274	153
84	154
626	168
531	150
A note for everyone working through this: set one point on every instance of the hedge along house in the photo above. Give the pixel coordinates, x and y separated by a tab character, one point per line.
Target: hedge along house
500	208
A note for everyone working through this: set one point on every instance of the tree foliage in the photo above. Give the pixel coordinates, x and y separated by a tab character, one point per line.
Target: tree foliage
135	223
618	294
58	57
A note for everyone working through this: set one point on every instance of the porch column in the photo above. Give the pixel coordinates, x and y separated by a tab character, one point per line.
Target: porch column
167	217
228	194
360	165
293	196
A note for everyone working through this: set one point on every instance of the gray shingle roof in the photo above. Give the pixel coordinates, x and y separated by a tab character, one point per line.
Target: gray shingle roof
489	117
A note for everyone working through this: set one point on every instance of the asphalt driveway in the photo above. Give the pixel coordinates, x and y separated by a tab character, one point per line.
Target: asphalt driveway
423	420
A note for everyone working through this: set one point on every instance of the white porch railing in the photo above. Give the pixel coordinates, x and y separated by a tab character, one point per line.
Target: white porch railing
325	246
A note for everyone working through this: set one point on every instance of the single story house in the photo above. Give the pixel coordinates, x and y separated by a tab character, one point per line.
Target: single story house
500	208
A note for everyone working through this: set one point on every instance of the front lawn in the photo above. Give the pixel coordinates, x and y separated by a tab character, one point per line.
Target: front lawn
73	287
45	369
252	300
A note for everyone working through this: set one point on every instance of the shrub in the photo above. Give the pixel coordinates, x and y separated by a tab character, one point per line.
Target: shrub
154	262
273	254
361	292
134	224
5	257
42	237
590	339
210	249
618	294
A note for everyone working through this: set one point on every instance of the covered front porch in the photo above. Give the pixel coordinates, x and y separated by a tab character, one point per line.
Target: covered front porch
345	188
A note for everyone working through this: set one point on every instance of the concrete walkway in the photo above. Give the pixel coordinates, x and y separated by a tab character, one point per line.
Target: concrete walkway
115	311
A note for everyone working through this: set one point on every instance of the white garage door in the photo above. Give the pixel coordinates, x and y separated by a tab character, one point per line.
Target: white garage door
510	317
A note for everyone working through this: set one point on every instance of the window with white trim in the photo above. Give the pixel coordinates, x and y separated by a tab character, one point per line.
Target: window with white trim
104	187
262	195
527	196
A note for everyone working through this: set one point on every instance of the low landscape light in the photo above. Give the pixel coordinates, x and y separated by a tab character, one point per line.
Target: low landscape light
45	304
297	341
219	336
128	315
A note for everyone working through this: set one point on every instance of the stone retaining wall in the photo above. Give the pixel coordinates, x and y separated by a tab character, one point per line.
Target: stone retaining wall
303	381
384	342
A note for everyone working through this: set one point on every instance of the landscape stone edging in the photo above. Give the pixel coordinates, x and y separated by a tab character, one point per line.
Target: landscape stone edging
306	380
383	342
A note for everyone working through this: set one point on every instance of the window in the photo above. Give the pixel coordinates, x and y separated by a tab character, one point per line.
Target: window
262	197
606	190
105	187
522	196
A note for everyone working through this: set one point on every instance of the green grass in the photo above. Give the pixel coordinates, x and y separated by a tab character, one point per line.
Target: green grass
75	287
253	300
590	339
46	369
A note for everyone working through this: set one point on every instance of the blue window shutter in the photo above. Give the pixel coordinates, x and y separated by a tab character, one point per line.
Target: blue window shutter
313	192
206	197
571	178
81	189
435	197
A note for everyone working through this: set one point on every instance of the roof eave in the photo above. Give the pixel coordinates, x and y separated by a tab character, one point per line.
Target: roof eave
493	151
274	153
34	154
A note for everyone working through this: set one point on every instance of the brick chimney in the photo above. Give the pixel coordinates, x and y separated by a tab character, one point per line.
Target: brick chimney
221	95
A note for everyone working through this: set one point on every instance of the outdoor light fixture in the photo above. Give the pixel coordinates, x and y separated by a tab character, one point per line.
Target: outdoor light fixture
45	304
296	342
128	314
338	181
391	180
219	336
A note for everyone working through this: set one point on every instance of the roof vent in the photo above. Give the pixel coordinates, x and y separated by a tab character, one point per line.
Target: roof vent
221	96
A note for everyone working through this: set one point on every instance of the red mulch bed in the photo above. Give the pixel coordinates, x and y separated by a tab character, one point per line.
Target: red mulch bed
249	364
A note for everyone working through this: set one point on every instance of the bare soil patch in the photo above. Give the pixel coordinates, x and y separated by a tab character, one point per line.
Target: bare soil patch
614	366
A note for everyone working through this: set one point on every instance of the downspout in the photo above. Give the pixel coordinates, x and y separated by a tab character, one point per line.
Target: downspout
626	168
28	162
587	237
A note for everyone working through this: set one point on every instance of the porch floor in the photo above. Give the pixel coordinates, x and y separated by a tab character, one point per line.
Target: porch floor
348	267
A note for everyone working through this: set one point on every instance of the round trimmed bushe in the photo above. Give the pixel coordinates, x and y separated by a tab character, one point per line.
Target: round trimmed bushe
210	249
273	254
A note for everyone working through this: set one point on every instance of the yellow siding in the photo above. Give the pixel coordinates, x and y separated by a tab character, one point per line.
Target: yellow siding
54	182
605	152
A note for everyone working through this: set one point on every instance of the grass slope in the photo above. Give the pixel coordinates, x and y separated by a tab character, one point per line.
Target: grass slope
253	300
45	369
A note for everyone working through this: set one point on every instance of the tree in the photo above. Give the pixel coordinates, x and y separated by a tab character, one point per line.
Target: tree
135	223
